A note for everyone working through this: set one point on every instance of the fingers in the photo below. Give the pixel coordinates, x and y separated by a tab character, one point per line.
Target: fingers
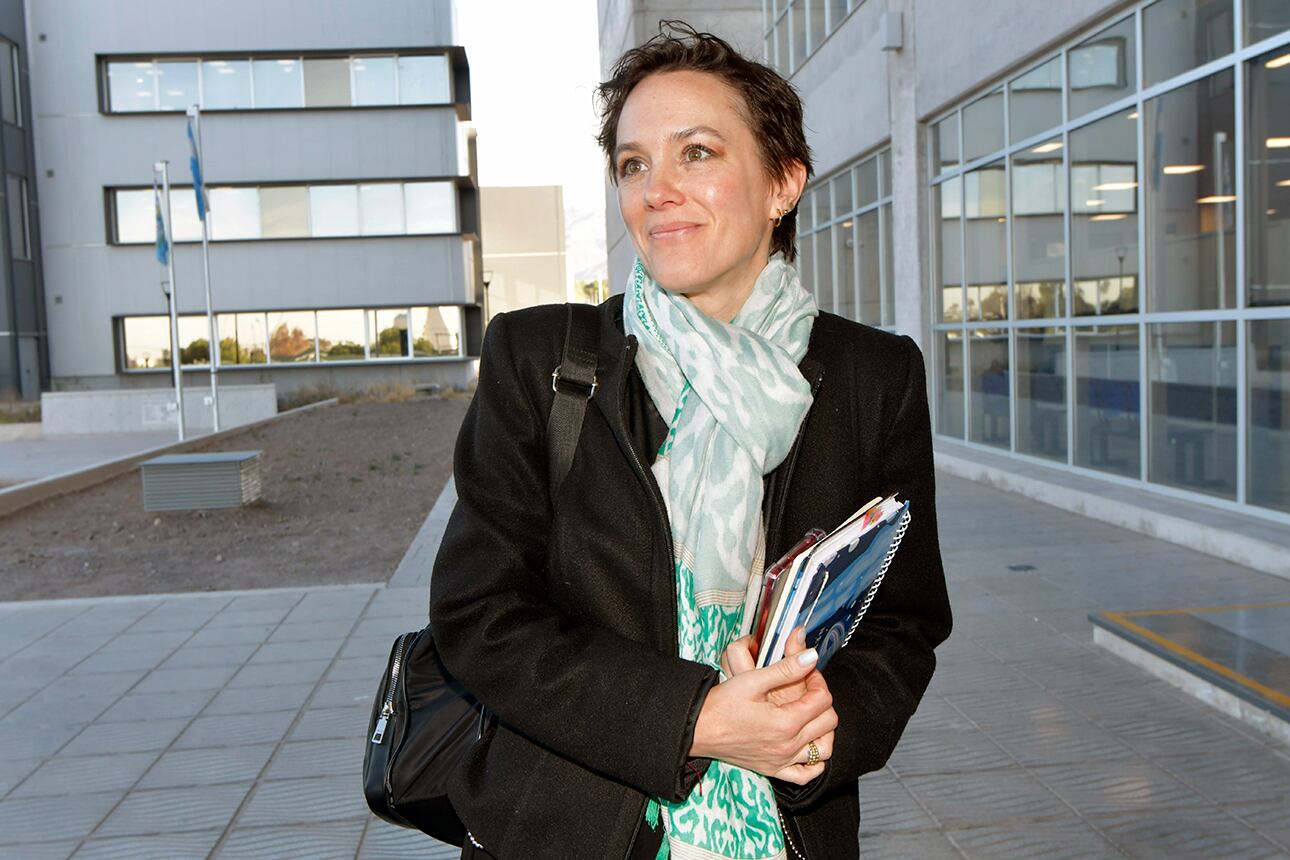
801	774
783	671
796	642
739	654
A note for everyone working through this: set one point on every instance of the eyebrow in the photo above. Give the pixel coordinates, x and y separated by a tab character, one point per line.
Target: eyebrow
678	135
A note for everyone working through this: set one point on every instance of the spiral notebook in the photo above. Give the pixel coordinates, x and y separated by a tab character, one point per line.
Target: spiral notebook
825	583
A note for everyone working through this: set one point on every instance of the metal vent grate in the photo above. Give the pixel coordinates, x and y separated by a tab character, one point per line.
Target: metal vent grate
186	482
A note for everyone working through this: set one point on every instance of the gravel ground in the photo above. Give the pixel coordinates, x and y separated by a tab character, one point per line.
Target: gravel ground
345	488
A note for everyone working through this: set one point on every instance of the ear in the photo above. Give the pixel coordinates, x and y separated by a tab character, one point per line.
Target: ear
789	190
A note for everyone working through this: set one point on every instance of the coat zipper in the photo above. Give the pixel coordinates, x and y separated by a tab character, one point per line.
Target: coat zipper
387	710
661	506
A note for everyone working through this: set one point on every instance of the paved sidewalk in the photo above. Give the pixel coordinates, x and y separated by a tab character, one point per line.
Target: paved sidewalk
46	456
232	724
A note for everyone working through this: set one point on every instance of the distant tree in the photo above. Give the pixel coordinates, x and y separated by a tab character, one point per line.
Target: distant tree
197	352
290	344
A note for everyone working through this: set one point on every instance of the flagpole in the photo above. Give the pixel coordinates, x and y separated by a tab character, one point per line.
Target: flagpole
176	359
199	187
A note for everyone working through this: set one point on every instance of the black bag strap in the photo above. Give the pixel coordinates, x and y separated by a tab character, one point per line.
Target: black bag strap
574	383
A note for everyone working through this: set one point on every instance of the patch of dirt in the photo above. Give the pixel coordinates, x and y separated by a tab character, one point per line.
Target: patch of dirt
344	490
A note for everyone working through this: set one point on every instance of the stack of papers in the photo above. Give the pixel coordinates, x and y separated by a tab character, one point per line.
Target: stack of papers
825	583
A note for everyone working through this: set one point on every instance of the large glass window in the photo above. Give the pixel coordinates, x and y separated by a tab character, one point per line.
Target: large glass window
194	341
870	269
340	335
380	209
176	85
1041	392
1268	445
436	331
1179	35
949	397
242	338
431	207
1265	18
1102	69
389	333
132	86
984	205
19	233
824	268
278	84
375	81
1104	221
1035	101
1267	178
983	126
288	338
1039	231
1193	406
988	354
1107	405
1191	197
844	243
147	342
333	210
327	83
226	84
424	80
291	336
945	144
947	205
235	213
10	102
284	212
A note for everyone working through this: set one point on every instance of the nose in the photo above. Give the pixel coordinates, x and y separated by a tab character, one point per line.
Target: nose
661	187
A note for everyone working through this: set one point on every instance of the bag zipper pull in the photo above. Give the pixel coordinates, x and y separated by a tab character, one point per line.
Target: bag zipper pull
379	735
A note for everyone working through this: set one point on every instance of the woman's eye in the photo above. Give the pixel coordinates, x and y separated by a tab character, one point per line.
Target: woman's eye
626	169
703	150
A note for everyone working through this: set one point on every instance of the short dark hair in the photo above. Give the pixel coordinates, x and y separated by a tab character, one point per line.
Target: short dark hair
770	104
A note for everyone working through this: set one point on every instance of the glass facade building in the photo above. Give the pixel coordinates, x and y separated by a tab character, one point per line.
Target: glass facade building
1110	255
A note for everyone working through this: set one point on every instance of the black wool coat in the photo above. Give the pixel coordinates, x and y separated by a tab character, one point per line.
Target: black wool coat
560	614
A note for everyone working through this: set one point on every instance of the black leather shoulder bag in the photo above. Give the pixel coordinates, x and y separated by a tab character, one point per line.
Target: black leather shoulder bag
423	720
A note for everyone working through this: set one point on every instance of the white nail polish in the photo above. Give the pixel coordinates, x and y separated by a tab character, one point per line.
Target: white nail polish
806	658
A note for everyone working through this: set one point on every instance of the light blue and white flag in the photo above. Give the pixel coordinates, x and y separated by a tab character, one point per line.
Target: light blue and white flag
195	165
163	244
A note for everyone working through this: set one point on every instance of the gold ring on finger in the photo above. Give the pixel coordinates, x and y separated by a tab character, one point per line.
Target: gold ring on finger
812	753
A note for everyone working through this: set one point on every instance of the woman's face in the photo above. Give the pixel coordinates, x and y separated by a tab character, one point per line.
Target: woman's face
692	190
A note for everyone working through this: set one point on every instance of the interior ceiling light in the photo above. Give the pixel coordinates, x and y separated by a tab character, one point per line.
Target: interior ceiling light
1278	142
1277	62
1115	186
1109	217
1284	183
1133	115
1217	198
1051	146
1177	169
1094	202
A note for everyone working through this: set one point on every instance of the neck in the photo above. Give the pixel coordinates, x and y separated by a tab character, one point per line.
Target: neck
722	299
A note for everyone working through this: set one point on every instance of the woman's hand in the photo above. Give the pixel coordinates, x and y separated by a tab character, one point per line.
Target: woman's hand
762	719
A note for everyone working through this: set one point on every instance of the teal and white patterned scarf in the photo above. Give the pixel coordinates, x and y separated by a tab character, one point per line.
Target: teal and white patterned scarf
736	399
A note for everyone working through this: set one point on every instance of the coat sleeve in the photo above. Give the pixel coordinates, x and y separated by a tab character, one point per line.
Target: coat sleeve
603	701
878	680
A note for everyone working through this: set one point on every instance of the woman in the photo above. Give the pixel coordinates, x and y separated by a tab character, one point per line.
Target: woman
729	417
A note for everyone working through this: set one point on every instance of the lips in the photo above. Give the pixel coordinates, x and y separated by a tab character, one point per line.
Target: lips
674	230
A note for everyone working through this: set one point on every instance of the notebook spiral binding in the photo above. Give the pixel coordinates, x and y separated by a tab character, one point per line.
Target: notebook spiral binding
886	563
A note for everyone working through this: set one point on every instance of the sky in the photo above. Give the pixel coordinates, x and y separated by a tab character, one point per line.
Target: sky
533	69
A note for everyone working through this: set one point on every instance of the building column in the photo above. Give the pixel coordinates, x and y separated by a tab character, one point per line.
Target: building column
909	187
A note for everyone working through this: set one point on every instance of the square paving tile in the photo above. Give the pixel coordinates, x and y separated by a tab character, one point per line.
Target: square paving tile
174	810
320	723
154	706
946	751
384	841
72	775
199	656
47	819
236	730
318	841
1107	787
140	736
1202	835
207	766
259	700
157	846
335	757
304	801
1048	840
177	680
978	799
273	674
894	845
